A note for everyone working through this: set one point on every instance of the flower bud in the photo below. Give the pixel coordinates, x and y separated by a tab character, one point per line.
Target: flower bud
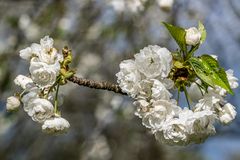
13	103
193	36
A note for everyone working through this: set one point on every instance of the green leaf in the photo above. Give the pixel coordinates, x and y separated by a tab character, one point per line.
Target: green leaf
219	75
203	31
209	71
178	34
213	63
201	70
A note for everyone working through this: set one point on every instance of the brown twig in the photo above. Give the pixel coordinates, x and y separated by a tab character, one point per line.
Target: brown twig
97	85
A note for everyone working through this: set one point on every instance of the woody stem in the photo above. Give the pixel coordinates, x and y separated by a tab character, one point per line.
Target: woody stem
97	85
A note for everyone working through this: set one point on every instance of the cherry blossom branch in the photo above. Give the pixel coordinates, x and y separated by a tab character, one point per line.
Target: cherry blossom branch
97	85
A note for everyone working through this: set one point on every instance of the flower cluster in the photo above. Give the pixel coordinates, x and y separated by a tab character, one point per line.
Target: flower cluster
153	76
151	79
38	98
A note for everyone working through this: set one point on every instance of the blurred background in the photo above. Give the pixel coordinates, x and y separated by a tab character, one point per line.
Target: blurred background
101	34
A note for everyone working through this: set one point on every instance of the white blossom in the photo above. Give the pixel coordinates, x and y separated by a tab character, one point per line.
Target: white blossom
13	103
174	131
128	77
145	89
127	5
227	113
26	53
42	109
49	57
23	81
42	74
185	114
233	81
37	96
165	4
48	53
159	112
142	107
210	101
203	119
153	88
187	128
36	49
55	125
47	43
27	100
159	91
44	51
154	61
202	125
135	5
193	36
217	90
117	5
